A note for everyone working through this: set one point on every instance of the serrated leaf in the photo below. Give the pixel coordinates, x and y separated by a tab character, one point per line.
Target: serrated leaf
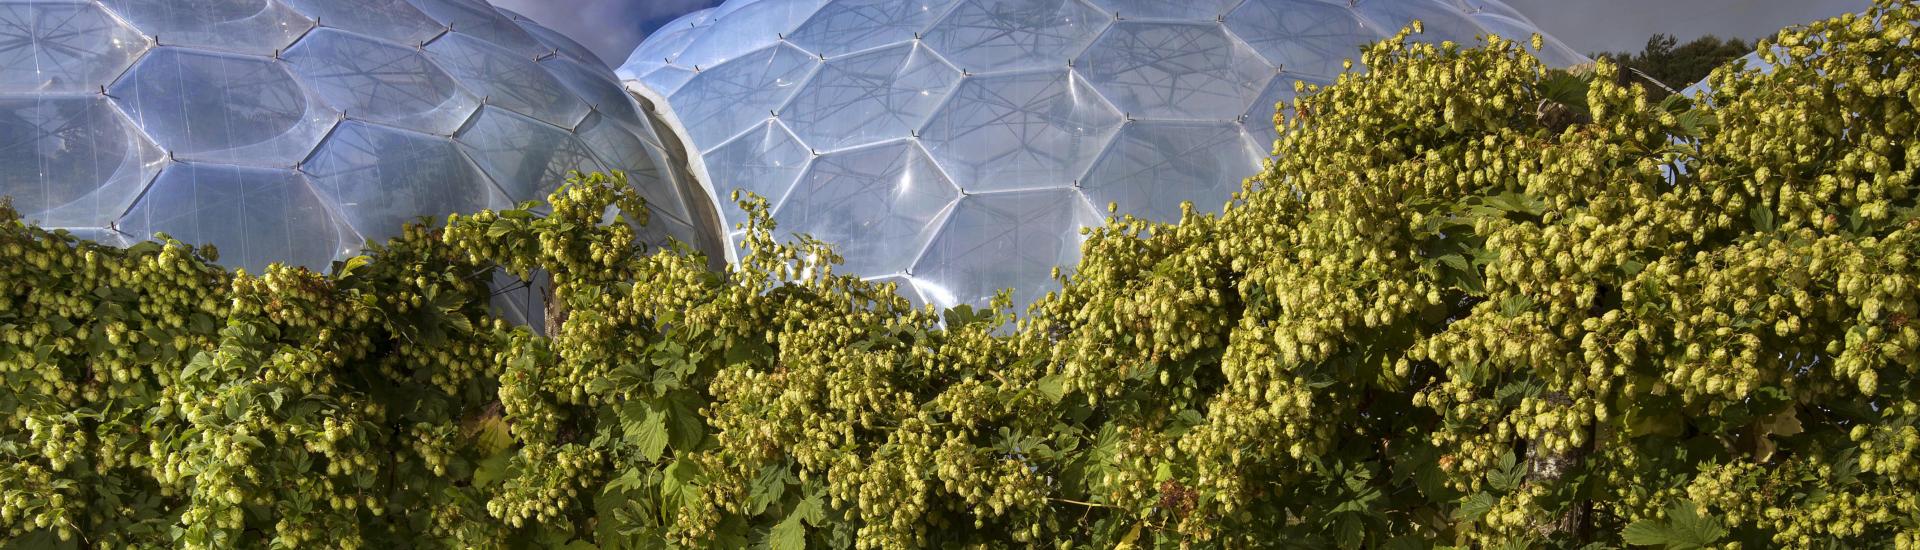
677	489
788	535
686	428
1683	529
353	265
1474	506
766	488
649	435
1507	474
493	468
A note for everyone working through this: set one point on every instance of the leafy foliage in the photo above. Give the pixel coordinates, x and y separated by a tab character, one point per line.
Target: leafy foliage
1444	315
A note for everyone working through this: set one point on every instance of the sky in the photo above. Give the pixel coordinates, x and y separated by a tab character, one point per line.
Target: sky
1624	25
613	27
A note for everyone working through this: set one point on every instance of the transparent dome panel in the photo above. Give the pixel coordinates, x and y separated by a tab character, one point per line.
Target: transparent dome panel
382	178
876	203
1441	20
593	85
903	286
60	47
1553	52
507	80
392	20
997	35
566	47
1175	70
618	148
722	101
1003	240
254	216
1190	10
71	161
222	108
1020	131
748	28
845	26
478	19
868	97
1154	166
526	158
1303	36
1259	119
381	82
259	27
763	161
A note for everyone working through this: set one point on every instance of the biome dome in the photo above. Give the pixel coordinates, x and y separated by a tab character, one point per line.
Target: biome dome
958	146
295	130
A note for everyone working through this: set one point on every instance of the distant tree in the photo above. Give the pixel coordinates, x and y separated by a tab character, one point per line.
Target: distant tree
1676	65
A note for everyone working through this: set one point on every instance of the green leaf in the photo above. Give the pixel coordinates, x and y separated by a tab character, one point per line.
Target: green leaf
1508	473
686	428
493	468
490	435
677	489
766	488
1683	529
788	535
1474	506
353	265
649	434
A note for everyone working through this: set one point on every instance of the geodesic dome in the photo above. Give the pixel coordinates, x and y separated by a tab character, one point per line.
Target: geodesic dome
295	130
959	145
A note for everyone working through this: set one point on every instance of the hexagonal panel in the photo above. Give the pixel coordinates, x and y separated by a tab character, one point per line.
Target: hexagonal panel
667	79
1553	52
662	46
1154	166
63	47
255	216
526	158
1175	70
1003	240
562	45
722	101
1020	131
1259	120
748	28
222	108
257	27
877	204
508	80
765	161
1191	10
1303	36
867	97
394	20
382	82
998	35
904	287
594	85
846	26
72	161
619	148
478	19
1442	20
381	178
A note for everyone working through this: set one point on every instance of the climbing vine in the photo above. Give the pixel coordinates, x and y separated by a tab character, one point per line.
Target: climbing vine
1470	302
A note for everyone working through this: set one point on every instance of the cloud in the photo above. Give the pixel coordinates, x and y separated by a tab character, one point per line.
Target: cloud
611	28
1624	25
